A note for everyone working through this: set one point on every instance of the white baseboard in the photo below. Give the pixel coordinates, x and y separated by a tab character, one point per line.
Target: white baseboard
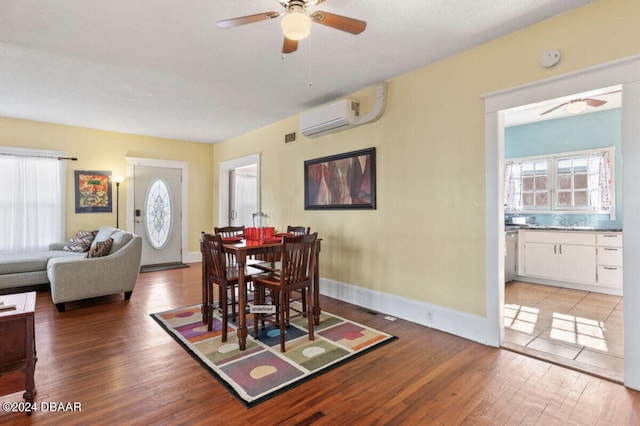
192	257
574	286
461	324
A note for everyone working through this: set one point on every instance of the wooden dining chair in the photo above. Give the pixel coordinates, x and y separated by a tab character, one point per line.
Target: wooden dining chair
298	230
229	231
235	232
218	272
272	264
297	259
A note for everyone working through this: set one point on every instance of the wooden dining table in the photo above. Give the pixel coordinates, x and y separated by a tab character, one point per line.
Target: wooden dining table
246	248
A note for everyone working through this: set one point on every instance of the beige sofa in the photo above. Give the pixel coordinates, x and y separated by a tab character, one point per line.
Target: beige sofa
71	275
24	271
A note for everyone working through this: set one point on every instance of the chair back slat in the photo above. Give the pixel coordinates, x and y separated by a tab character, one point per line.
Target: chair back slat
229	231
214	258
297	257
226	232
298	230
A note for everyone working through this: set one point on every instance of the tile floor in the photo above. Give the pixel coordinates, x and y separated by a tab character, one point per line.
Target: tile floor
578	329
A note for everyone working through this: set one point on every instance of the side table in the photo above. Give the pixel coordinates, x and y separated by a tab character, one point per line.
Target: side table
18	341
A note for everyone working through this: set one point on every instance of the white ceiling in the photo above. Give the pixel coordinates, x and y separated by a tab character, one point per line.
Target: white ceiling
163	68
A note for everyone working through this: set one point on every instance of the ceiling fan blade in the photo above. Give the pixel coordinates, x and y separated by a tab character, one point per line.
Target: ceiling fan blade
589	101
554	108
609	93
307	3
595	102
343	23
289	46
243	20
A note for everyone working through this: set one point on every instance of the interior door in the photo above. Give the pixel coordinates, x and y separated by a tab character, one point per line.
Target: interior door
243	190
157	204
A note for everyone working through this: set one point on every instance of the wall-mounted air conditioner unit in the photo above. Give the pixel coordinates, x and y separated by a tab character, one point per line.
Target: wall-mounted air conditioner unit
331	118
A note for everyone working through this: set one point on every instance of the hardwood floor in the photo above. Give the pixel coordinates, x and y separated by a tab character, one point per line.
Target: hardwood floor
112	358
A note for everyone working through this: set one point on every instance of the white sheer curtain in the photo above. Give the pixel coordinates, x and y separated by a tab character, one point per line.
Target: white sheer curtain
32	198
601	182
513	186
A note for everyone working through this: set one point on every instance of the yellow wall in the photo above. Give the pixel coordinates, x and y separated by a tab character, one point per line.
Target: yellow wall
102	150
426	239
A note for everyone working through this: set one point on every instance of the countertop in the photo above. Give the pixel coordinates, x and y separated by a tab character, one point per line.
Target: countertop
508	227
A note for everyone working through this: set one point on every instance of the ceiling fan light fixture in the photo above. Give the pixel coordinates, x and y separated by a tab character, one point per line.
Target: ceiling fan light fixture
296	25
576	107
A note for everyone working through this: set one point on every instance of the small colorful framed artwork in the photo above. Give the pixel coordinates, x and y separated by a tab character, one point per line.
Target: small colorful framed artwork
93	192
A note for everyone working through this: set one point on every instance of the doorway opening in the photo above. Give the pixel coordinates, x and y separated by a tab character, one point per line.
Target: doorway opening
624	72
547	147
239	190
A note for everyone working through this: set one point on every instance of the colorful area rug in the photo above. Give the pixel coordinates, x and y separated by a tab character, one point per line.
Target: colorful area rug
262	371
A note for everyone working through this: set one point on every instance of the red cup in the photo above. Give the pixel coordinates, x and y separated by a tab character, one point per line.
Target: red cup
251	233
269	231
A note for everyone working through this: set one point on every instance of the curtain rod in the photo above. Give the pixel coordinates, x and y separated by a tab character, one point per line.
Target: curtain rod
40	156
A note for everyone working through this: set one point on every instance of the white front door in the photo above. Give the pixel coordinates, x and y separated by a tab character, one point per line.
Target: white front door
157	213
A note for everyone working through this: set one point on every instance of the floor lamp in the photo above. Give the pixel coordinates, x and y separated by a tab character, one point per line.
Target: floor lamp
118	180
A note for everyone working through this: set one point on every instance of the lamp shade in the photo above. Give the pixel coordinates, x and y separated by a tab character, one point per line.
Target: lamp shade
576	107
296	25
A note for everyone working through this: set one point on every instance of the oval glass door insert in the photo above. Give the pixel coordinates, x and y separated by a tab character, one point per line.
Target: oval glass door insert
159	214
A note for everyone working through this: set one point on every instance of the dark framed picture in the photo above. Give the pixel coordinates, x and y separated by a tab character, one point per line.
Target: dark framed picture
343	181
93	192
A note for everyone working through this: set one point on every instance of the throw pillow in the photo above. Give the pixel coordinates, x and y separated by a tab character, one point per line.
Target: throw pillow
120	238
103	233
101	248
80	242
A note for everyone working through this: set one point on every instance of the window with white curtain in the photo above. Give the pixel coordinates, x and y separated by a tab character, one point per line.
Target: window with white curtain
32	199
572	182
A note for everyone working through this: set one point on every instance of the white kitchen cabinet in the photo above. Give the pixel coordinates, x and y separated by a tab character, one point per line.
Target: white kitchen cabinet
575	259
560	256
540	260
610	260
561	262
577	263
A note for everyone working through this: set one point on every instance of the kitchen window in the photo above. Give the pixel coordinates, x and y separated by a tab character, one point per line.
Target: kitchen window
573	182
535	187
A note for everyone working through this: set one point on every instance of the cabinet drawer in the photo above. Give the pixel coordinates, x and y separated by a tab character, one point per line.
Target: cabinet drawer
610	256
577	238
610	276
610	239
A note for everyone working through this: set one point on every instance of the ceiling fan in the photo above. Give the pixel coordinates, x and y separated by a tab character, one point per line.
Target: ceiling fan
296	21
576	106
